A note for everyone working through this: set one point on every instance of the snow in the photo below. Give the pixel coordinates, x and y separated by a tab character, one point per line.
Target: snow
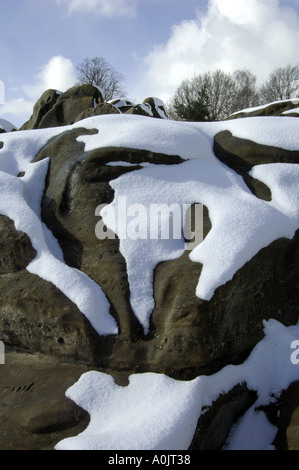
290	111
263	106
253	431
154	411
7	126
20	201
230	202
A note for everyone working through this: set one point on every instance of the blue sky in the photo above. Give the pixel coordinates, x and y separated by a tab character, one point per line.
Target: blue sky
155	44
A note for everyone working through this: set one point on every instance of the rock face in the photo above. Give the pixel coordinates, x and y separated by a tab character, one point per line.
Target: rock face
188	336
54	109
288	432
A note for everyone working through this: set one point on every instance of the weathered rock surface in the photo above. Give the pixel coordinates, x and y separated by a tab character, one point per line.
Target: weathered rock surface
187	336
44	104
242	154
214	424
34	412
288	425
280	108
54	109
16	250
51	343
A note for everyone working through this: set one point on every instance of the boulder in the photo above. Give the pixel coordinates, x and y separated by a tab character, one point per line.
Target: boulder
149	107
278	108
188	336
35	414
43	105
54	108
16	250
287	437
102	108
242	154
50	343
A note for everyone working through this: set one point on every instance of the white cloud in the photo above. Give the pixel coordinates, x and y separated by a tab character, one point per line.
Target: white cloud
255	34
58	73
16	107
107	8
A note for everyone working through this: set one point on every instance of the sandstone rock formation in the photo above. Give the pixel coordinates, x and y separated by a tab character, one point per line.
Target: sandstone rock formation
279	108
46	334
55	109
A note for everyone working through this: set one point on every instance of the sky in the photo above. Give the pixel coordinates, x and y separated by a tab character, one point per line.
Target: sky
154	44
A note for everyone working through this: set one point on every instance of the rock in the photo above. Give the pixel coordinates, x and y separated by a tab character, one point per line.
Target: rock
150	107
54	109
215	421
50	341
34	412
188	336
36	317
102	108
287	437
279	108
157	107
242	154
40	109
16	250
122	105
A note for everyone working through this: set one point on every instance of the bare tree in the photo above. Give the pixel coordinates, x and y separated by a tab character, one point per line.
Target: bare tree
189	101
205	97
282	84
98	72
213	96
220	90
247	94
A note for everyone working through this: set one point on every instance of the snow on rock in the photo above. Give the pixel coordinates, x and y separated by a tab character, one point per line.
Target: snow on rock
20	201
255	110
253	431
241	223
7	126
155	412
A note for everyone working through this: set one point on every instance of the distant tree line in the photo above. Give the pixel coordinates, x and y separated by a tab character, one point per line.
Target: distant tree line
210	96
213	96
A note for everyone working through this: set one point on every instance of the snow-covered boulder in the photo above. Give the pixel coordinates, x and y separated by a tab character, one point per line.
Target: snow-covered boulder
90	277
54	108
6	126
288	108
